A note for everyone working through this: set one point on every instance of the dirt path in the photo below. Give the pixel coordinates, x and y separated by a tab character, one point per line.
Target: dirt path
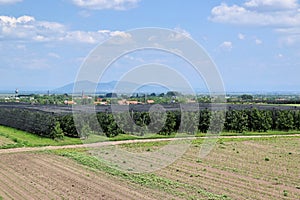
109	143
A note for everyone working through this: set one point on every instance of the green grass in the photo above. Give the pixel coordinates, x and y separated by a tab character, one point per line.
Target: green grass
290	105
149	180
22	138
12	138
260	133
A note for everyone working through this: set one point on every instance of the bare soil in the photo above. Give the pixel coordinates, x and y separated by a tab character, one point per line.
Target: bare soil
258	169
264	168
43	176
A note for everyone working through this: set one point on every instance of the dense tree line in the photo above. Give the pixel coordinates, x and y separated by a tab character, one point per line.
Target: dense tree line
51	125
252	120
38	122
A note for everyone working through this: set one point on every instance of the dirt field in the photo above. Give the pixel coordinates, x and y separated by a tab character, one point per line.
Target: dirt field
42	176
262	168
240	168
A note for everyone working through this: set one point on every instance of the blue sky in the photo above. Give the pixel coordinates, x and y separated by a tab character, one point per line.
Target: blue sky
254	43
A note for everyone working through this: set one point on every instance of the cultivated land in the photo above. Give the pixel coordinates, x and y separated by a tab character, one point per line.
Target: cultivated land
237	168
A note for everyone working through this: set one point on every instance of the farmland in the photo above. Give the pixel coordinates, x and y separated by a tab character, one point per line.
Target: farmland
257	155
237	168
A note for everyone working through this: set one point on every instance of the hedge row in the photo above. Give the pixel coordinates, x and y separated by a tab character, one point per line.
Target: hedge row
48	124
37	122
252	120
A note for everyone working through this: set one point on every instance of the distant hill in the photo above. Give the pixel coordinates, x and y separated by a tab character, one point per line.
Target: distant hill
113	86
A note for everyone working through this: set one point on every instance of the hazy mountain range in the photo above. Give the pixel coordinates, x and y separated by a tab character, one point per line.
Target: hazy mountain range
128	88
113	86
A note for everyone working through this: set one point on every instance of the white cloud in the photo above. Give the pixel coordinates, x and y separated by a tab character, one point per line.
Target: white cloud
106	4
283	16
243	16
9	1
27	28
53	55
226	45
119	34
179	34
241	36
289	36
258	41
272	4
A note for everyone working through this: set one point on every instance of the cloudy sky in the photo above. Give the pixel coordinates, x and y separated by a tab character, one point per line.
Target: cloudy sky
254	43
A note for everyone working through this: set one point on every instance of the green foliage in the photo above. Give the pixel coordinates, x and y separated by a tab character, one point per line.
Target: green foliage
284	120
57	132
170	124
23	138
140	123
68	126
267	159
259	120
204	120
189	122
85	131
108	124
236	121
246	97
216	122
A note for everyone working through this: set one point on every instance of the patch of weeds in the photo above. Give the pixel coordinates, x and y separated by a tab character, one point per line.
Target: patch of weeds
285	193
298	187
267	159
199	161
192	198
149	180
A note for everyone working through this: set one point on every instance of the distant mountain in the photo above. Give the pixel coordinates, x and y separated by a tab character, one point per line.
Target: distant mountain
70	87
88	87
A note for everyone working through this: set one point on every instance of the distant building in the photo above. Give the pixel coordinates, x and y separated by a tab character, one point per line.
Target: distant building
132	102
100	103
150	101
122	102
66	102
